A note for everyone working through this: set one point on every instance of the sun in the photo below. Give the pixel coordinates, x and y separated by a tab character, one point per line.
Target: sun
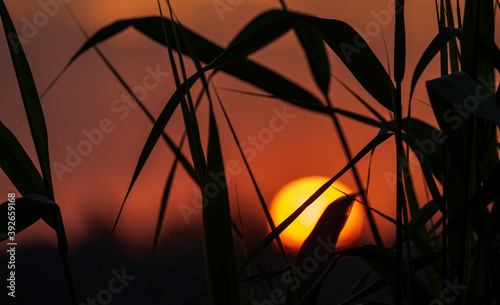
293	194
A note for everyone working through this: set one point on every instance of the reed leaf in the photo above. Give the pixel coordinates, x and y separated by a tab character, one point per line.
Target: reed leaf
442	38
17	165
317	58
327	229
31	101
245	70
219	246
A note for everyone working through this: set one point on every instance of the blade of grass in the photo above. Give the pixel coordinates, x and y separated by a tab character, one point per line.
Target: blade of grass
320	109
459	15
315	52
453	47
444	51
219	247
31	101
161	214
17	165
441	39
166	193
361	100
243	244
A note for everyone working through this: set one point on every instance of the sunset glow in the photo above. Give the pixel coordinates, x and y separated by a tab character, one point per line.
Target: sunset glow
293	194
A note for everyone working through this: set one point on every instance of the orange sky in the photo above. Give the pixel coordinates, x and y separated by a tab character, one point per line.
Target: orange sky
84	97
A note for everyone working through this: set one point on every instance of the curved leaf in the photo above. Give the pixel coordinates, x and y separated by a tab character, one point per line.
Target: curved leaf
17	165
328	226
326	231
423	215
460	89
314	49
29	94
441	39
244	70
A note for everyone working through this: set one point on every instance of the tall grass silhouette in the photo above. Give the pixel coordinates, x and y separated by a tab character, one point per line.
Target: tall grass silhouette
446	250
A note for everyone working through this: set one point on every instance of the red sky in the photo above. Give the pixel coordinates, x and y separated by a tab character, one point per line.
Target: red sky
85	96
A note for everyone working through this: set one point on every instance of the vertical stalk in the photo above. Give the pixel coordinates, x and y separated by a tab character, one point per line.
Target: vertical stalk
444	216
399	70
444	71
400	196
69	279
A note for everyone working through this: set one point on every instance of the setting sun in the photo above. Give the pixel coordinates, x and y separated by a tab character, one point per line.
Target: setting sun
293	194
